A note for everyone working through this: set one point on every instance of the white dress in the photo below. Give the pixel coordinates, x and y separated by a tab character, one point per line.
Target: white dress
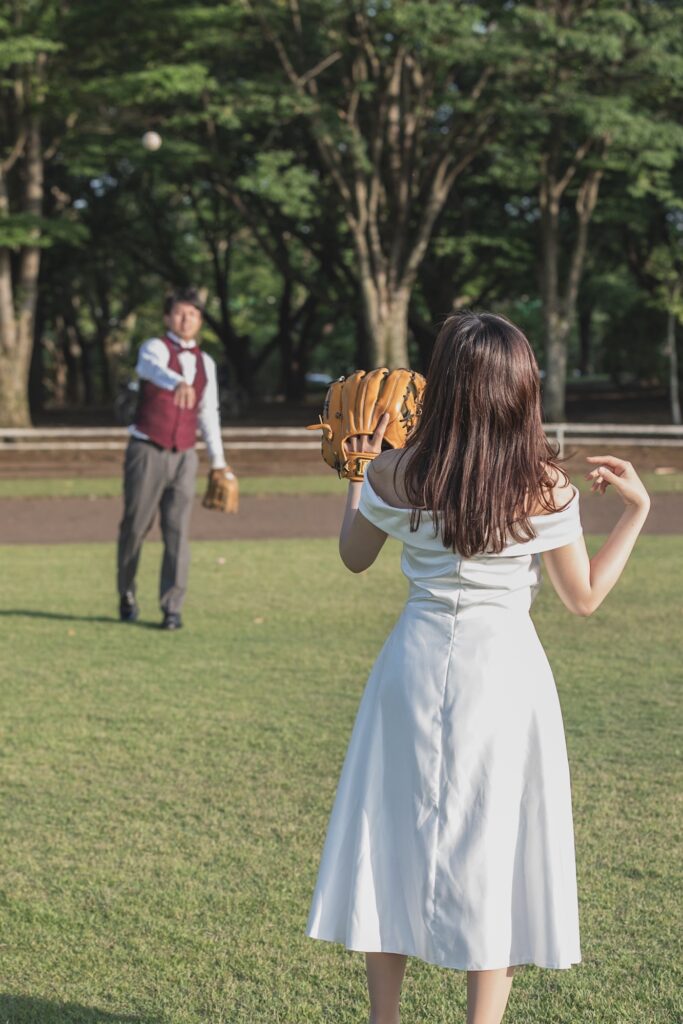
451	835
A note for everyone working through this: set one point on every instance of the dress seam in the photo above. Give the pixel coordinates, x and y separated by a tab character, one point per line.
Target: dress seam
435	868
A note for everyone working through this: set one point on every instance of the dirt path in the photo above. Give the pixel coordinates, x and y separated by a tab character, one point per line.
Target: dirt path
34	464
19	464
70	520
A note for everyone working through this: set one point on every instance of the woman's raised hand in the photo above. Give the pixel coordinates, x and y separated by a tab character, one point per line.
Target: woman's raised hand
363	443
622	476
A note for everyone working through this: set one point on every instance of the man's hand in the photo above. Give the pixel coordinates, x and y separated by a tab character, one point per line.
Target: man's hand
222	491
184	396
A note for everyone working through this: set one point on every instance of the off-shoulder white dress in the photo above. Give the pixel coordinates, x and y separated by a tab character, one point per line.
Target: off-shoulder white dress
451	835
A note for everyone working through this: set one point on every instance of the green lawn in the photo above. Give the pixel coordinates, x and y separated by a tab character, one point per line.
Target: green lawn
110	487
166	796
325	483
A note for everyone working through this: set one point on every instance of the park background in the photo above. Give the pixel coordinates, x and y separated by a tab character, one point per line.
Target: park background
338	177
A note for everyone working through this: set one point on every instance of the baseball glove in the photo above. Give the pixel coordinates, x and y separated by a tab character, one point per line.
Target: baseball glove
354	405
222	491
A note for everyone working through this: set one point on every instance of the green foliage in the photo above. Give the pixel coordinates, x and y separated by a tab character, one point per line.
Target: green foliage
155	85
666	267
239	198
21	229
23	49
278	178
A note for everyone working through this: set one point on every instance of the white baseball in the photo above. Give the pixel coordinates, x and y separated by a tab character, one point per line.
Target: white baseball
151	140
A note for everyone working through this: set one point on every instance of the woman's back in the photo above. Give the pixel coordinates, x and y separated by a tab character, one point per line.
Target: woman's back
508	579
388	472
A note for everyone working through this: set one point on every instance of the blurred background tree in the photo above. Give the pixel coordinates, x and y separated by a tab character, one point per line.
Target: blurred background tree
339	177
30	114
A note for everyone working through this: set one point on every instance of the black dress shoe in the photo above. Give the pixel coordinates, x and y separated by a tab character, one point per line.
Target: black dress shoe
172	620
128	609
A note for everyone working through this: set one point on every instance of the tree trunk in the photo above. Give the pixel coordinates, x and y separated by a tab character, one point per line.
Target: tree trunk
101	337
83	351
556	335
555	328
14	369
386	322
285	343
559	304
308	337
73	367
19	294
585	339
238	358
16	343
425	336
235	346
673	368
396	331
36	389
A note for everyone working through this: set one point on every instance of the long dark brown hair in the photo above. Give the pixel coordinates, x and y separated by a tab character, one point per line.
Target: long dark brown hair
479	459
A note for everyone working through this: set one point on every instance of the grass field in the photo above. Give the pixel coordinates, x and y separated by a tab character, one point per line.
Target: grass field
111	487
325	483
166	796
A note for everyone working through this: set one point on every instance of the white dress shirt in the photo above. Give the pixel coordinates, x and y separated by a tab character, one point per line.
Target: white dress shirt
153	366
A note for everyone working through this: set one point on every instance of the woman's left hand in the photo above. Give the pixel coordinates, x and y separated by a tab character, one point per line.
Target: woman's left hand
371	445
622	476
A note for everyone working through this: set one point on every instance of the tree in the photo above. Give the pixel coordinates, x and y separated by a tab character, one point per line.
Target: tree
225	181
482	253
599	79
656	260
25	51
399	101
394	162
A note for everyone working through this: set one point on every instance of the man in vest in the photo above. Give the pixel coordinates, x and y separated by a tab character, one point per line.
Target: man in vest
179	394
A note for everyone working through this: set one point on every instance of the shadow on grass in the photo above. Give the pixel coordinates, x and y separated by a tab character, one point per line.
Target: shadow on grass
34	613
27	1010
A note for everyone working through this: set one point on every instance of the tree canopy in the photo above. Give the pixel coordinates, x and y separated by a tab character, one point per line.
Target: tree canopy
339	177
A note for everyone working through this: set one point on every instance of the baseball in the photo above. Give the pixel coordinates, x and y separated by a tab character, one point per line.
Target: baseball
151	140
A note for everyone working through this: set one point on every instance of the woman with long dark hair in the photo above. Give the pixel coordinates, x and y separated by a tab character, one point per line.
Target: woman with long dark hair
451	837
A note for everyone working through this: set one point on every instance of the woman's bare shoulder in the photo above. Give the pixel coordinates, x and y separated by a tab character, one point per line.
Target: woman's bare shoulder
560	492
386	476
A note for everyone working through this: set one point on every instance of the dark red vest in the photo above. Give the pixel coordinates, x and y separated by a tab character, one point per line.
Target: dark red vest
158	416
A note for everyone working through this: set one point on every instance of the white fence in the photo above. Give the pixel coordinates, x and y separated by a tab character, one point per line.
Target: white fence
103	439
615	434
46	439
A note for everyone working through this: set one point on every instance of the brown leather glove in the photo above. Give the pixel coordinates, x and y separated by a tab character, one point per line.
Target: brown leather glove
354	405
222	491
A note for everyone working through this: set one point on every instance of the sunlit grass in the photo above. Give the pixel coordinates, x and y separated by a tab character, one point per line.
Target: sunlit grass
317	483
166	796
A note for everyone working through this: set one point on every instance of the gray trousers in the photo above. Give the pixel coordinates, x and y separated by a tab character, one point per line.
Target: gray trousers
164	481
